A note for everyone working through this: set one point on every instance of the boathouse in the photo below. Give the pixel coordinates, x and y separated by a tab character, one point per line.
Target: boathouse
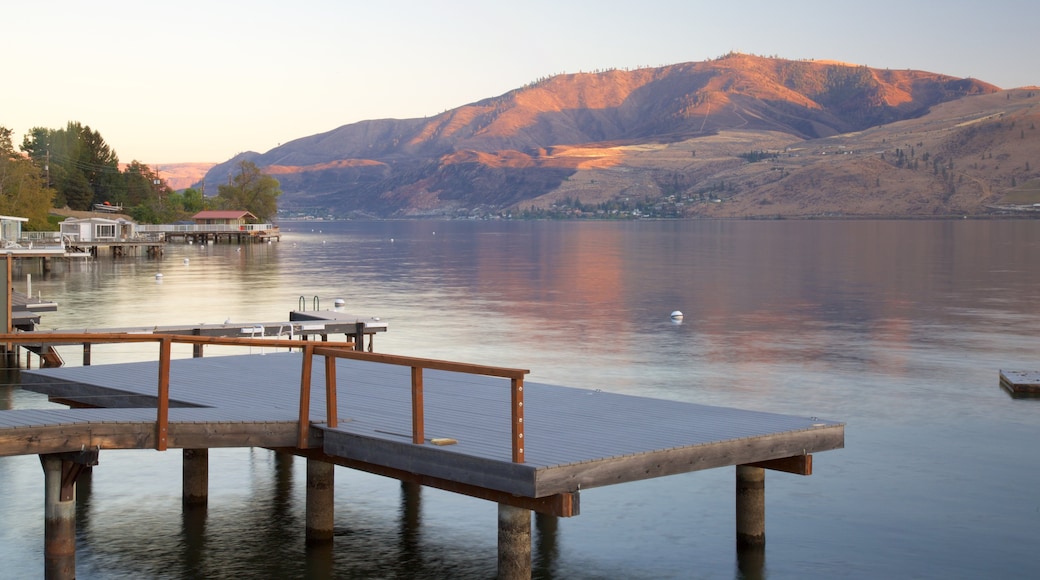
97	229
122	236
236	217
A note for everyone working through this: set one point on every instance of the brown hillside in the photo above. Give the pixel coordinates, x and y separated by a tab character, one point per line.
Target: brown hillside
689	135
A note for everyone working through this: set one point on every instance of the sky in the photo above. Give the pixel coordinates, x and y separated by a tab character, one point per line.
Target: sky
203	80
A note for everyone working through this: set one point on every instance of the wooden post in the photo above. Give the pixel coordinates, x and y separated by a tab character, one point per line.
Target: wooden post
305	397
331	418
195	477
320	501
751	506
86	354
514	543
59	548
359	336
162	420
517	390
418	413
7	296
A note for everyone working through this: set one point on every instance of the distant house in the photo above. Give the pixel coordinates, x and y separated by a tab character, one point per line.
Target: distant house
97	229
11	230
233	217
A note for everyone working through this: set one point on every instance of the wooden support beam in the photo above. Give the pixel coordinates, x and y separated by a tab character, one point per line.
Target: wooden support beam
798	465
562	505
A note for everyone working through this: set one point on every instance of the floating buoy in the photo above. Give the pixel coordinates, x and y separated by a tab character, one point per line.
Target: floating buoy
158	276
186	260
339	302
677	315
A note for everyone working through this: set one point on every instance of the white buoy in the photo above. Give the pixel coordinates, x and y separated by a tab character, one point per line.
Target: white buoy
186	261
158	276
339	302
677	315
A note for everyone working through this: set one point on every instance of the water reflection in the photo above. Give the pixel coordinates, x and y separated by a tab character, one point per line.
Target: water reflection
546	548
410	555
751	562
193	540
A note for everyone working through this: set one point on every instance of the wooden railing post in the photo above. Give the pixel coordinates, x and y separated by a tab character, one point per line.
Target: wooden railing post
305	396
330	391
163	420
418	414
517	388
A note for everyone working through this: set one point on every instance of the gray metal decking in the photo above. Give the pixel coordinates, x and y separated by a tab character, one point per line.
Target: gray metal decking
575	438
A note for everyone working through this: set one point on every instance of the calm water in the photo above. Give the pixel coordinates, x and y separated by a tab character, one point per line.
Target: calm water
897	328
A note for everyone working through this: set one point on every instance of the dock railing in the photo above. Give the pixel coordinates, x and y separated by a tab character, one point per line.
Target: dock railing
417	365
330	351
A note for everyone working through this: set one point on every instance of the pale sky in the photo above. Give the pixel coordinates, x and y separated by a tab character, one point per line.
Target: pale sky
193	80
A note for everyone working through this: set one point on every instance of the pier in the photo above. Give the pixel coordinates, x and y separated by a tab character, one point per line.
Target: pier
475	430
204	233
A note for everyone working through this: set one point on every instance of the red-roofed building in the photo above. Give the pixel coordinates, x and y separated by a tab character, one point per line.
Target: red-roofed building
232	217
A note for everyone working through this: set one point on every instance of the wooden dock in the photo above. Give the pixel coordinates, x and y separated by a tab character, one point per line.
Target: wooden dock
1021	383
479	431
313	325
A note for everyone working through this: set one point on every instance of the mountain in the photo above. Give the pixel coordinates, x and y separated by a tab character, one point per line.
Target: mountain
183	175
741	135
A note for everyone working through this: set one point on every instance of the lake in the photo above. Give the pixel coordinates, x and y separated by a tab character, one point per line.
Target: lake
897	328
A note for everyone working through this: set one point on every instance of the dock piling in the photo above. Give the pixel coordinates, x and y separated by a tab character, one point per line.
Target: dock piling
514	543
59	548
320	501
751	506
195	477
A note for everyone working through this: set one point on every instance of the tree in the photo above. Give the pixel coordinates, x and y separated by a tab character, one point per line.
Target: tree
23	191
251	190
78	163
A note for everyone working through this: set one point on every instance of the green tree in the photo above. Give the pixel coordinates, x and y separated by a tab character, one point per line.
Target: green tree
252	190
78	163
23	191
193	201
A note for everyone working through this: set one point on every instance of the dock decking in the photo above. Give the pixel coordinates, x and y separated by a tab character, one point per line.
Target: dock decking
469	428
575	438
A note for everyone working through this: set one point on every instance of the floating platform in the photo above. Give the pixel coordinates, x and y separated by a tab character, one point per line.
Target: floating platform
1021	383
